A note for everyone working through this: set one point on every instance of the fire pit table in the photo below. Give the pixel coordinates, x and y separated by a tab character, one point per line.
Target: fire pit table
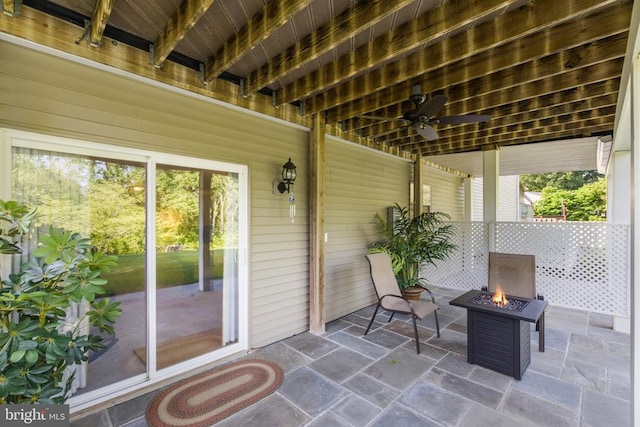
498	334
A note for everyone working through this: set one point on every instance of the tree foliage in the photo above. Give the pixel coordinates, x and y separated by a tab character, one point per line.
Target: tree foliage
587	203
560	180
106	200
583	194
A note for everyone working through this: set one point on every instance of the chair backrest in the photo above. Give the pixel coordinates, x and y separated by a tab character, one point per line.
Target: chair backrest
382	275
515	274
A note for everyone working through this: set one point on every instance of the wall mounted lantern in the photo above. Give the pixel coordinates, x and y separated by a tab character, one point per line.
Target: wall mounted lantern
288	177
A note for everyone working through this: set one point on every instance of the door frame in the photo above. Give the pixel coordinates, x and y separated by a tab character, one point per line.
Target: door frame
10	138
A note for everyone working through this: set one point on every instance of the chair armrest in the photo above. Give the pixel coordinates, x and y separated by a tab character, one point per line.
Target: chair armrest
433	300
398	296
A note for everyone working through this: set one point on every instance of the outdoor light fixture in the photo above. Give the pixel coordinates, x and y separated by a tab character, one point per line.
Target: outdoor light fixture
288	177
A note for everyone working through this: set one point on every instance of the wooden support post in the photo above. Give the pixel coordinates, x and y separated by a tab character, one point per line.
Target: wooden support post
316	224
417	185
205	226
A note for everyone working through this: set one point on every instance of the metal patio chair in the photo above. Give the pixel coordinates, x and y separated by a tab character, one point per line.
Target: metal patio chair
390	298
515	274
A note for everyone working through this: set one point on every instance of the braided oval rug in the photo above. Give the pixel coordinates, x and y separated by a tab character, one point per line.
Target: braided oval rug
211	396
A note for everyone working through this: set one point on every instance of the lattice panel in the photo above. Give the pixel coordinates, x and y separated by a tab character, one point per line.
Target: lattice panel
467	267
578	265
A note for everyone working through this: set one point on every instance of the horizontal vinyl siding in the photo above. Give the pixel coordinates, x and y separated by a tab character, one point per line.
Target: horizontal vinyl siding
358	184
478	199
447	192
509	198
53	96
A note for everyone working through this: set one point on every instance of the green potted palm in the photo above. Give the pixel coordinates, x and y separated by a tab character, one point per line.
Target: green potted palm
39	347
413	243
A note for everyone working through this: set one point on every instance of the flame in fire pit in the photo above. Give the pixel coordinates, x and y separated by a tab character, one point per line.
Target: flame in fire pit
499	298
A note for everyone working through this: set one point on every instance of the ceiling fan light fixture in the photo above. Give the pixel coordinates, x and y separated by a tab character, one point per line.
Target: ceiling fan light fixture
423	117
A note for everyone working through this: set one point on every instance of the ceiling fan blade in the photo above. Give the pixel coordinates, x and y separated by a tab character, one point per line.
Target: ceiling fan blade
432	106
426	131
454	120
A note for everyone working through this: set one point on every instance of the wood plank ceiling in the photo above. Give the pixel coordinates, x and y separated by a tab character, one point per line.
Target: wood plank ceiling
544	70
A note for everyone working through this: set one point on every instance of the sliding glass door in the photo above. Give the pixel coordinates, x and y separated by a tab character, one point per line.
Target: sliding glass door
103	199
196	268
178	227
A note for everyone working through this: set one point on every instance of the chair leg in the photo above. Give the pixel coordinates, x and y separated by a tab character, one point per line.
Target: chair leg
372	317
435	313
390	317
415	330
540	327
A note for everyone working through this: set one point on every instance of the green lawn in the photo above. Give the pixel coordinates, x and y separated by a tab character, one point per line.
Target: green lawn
173	269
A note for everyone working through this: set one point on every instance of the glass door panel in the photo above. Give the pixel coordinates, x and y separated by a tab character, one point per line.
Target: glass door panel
196	263
103	199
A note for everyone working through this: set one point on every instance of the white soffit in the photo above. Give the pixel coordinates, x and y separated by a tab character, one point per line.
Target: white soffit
557	156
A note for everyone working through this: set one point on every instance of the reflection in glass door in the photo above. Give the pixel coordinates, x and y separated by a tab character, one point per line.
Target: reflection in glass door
179	233
196	263
102	199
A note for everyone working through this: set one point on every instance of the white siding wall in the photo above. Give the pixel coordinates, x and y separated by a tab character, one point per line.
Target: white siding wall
508	196
447	192
359	183
477	197
53	96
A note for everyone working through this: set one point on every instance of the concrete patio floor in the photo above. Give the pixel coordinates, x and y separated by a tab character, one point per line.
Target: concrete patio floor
343	378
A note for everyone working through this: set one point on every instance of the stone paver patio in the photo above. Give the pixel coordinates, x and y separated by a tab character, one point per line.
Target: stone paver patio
346	379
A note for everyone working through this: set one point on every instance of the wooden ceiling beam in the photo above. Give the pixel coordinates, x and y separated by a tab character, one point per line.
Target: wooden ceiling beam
594	105
543	87
362	15
99	19
483	98
541	124
356	96
186	16
578	128
568	134
480	72
579	106
430	26
538	98
523	87
470	97
539	83
263	24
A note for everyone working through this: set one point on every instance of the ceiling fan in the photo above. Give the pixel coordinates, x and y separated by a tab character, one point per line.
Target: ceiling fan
421	118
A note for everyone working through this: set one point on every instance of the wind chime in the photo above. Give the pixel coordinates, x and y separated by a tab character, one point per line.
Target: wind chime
292	207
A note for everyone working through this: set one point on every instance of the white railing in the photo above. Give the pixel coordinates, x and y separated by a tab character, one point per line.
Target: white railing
582	265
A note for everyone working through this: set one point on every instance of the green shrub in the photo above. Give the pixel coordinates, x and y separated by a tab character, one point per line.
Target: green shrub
35	346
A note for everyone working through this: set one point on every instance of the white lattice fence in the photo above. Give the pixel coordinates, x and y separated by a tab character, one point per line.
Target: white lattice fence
467	267
578	265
